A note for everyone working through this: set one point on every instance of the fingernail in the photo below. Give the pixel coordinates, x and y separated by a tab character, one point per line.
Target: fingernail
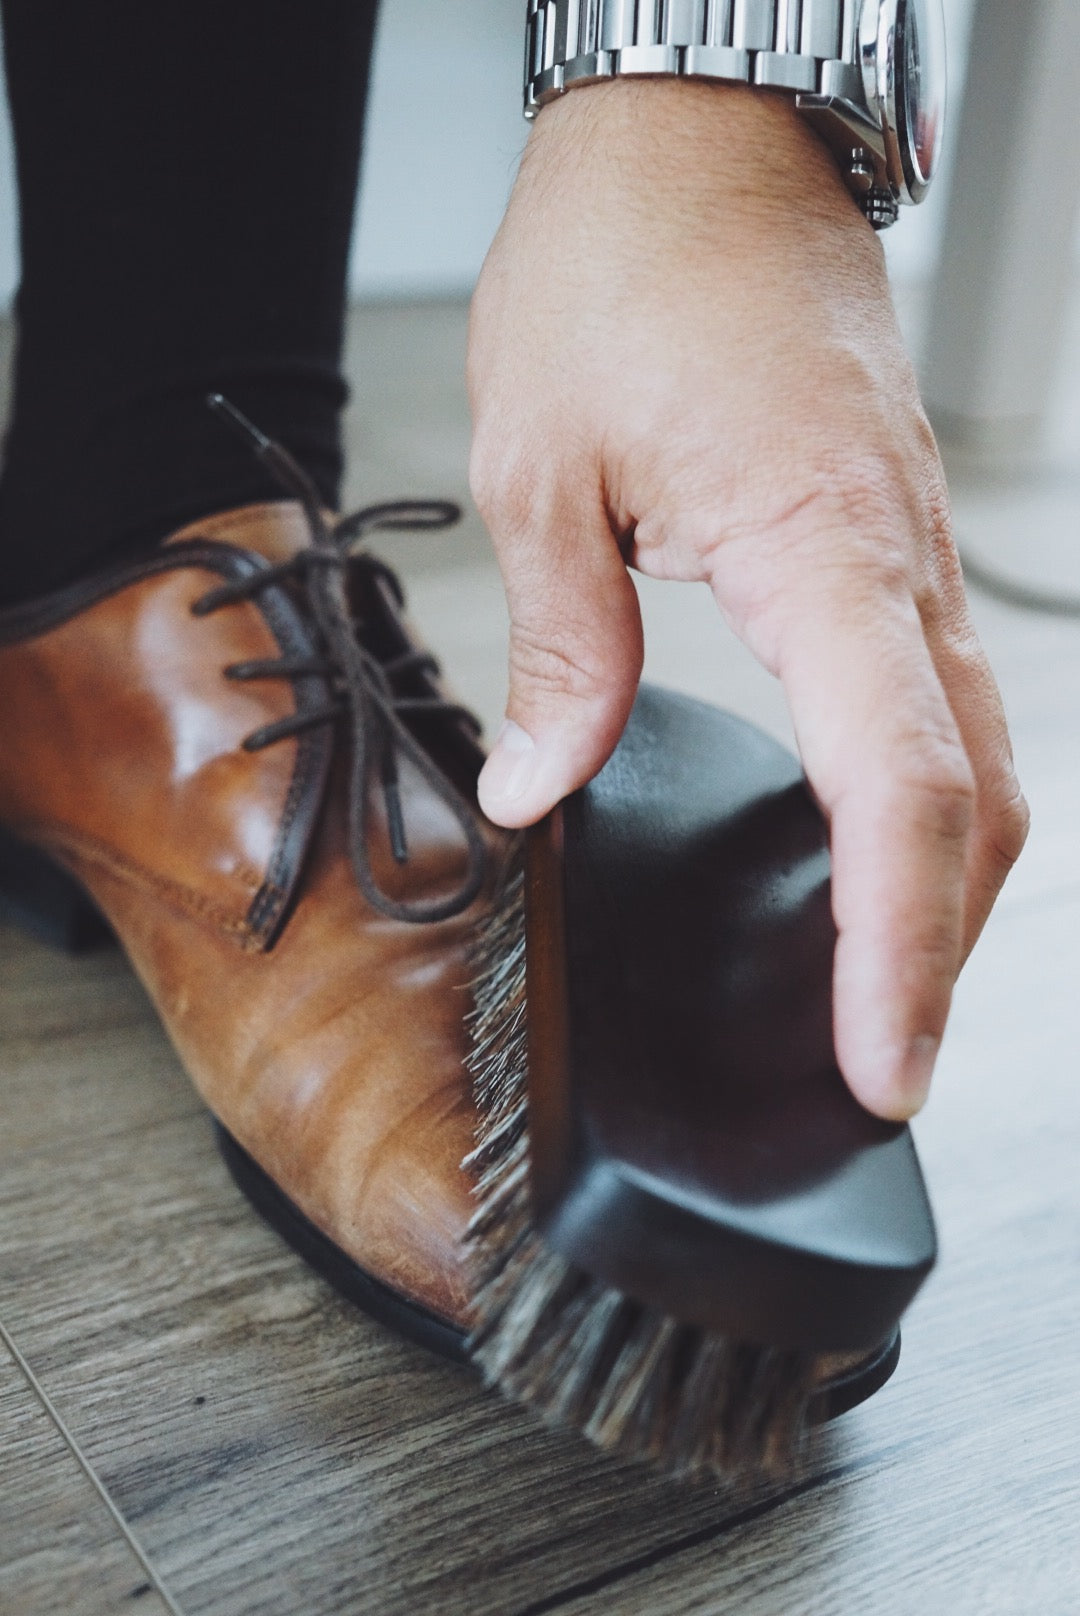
510	768
917	1069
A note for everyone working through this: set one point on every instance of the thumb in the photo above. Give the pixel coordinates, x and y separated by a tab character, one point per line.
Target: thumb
575	659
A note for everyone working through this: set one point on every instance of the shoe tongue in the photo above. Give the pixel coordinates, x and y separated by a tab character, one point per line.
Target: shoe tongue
276	529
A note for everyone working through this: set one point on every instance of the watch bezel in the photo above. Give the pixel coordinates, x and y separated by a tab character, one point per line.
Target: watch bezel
883	61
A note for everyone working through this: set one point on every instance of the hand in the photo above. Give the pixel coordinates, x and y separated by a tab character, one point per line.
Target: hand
683	357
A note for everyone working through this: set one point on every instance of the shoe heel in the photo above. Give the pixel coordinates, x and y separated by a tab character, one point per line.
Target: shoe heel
40	897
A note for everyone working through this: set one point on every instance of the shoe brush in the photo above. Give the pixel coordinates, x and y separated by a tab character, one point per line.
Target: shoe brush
691	1243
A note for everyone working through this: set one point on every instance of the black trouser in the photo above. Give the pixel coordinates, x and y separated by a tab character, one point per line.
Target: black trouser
187	173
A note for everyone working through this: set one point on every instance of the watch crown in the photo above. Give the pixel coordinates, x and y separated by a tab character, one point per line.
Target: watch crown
880	207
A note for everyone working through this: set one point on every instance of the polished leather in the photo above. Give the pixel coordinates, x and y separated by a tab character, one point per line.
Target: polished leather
327	1038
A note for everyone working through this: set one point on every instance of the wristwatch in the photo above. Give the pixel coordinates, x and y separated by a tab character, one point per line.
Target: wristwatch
868	74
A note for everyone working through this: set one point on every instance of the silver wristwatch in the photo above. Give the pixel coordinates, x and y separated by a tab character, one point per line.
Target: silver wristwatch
868	74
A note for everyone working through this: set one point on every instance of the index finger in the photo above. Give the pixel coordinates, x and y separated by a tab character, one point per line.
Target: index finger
883	753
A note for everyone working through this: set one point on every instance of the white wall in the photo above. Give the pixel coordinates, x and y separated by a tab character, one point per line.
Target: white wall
444	134
443	138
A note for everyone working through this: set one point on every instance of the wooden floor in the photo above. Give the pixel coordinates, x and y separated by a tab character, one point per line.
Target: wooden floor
191	1421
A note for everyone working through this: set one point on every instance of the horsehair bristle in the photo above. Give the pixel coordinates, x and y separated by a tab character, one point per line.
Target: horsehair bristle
579	1353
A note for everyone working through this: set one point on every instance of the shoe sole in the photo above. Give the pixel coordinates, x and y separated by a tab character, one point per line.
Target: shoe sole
371	1295
427	1329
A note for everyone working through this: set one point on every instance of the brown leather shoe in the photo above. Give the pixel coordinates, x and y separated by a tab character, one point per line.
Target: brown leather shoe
237	749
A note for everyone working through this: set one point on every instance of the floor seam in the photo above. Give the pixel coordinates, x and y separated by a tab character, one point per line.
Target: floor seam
67	1437
692	1540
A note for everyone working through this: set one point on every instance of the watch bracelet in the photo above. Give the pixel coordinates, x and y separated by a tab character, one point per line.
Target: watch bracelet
797	45
806	47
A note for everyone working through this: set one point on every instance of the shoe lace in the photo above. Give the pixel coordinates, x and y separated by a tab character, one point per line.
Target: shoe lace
362	687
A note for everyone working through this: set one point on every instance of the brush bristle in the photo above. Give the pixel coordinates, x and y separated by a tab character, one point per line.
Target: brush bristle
581	1354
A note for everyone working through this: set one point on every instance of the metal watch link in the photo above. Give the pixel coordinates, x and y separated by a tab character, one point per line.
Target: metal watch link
868	74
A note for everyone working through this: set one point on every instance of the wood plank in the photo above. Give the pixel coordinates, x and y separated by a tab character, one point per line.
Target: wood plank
63	1018
60	1549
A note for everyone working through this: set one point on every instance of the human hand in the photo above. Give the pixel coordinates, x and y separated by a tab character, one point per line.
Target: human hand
683	357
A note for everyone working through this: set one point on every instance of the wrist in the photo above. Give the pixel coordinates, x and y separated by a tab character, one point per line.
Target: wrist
704	146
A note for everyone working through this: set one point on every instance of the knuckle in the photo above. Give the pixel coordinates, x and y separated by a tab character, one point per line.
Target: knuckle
860	494
500	482
941	602
935	943
938	780
1006	825
849	534
881	575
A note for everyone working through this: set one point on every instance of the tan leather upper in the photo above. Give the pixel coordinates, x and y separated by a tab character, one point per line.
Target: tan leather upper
327	1038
